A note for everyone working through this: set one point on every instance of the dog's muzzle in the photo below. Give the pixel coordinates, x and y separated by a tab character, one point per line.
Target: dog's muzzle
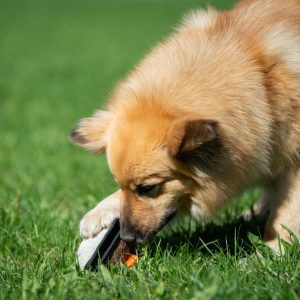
130	233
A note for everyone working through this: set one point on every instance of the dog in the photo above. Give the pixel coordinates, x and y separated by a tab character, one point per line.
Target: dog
209	113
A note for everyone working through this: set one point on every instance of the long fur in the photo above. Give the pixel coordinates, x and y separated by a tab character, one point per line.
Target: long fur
238	68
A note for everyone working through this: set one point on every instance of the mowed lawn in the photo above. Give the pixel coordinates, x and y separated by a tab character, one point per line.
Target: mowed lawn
59	61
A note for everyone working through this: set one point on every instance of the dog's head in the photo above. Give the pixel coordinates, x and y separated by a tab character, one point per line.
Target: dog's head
154	158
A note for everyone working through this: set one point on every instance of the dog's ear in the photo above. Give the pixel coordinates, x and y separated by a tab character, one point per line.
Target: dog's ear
91	132
187	135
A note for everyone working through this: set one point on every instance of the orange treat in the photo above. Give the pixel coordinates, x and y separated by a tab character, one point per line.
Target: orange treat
131	260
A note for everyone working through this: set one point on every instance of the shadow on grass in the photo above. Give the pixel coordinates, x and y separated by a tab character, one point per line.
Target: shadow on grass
231	237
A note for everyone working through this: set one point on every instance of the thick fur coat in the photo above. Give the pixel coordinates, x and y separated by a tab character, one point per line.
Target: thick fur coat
207	114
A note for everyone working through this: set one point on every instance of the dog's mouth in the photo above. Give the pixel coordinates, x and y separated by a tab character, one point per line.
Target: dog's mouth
141	239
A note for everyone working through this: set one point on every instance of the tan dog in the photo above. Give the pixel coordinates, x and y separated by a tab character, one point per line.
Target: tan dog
212	111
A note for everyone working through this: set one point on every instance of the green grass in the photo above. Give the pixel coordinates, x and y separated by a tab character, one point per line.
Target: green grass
59	61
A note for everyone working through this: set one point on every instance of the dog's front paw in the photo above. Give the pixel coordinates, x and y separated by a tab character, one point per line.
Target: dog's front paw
94	222
100	217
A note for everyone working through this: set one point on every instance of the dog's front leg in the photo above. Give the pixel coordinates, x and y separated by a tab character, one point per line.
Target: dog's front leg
285	215
101	216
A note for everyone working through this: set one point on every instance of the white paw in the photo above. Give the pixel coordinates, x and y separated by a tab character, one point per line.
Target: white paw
100	217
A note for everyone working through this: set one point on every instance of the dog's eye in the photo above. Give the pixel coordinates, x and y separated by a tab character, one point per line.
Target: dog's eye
151	191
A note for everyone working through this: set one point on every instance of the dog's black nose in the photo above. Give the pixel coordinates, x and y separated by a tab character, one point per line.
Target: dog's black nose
127	236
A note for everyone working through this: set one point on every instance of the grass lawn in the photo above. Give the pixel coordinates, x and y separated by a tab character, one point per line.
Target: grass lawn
59	61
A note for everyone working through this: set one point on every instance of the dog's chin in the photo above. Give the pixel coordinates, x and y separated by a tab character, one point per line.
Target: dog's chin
143	239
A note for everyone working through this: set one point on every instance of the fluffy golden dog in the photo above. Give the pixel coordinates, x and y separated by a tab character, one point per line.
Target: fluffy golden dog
210	112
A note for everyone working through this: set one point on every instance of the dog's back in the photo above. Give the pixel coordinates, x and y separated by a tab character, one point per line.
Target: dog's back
272	29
